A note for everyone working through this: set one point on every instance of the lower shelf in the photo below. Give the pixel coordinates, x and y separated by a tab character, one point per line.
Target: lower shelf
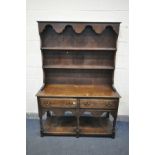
60	125
67	125
95	126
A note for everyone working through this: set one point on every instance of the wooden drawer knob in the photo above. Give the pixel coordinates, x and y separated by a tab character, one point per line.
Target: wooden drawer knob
46	103
86	103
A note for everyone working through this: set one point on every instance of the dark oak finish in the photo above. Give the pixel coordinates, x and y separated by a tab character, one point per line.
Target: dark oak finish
58	103
98	103
78	59
78	97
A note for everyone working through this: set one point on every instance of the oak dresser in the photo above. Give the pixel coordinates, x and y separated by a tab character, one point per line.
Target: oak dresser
78	97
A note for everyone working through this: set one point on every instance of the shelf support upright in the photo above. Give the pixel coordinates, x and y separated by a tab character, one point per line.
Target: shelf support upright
40	118
78	117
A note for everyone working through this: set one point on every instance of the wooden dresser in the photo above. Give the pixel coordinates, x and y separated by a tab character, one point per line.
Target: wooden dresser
78	97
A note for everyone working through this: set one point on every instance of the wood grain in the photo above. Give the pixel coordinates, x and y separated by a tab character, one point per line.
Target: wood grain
52	90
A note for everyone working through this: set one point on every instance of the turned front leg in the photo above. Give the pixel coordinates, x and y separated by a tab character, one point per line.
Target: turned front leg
107	115
49	114
41	123
114	114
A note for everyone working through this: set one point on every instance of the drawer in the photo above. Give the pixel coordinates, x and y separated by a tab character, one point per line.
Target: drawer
58	103
99	103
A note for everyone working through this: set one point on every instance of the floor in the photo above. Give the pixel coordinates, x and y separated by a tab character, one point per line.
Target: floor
37	145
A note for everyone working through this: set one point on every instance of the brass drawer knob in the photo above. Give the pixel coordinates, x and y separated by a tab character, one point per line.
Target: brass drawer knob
74	103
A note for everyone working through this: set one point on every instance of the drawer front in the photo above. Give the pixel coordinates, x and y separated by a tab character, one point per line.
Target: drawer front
58	103
99	103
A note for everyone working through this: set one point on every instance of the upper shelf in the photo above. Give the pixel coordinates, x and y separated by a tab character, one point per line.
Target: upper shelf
78	67
79	27
77	36
80	48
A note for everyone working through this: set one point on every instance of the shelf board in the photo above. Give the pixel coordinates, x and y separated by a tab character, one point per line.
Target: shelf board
60	125
77	67
71	90
95	126
80	48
